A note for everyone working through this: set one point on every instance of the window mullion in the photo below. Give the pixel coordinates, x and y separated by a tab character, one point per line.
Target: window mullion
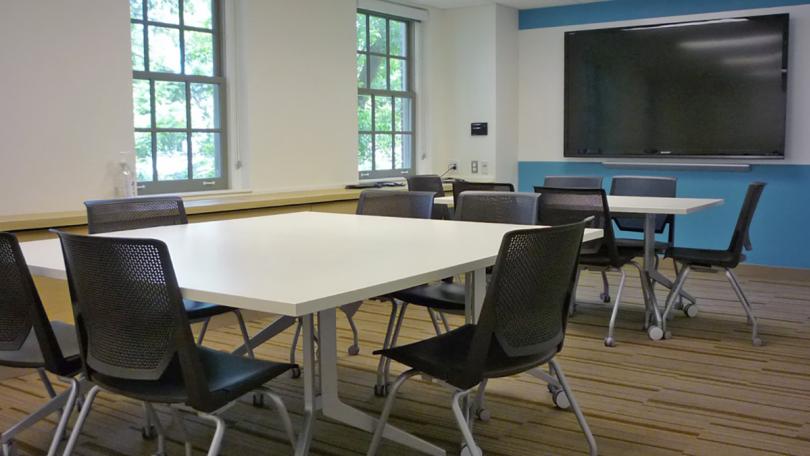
153	115
189	152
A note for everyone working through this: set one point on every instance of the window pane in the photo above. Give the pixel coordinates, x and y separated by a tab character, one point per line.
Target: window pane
204	106
164	50
198	13
199	53
402	114
172	156
364	112
136	9
399	75
399	38
379	73
204	153
362	70
170	104
361	32
143	156
383	153
167	11
141	109
402	151
136	38
382	114
377	34
364	153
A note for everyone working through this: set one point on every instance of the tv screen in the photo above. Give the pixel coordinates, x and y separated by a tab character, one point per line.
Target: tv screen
715	88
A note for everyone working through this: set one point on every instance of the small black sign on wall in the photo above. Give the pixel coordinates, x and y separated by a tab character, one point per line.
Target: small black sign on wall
479	129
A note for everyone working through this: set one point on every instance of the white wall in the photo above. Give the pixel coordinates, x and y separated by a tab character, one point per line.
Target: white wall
65	102
506	94
541	55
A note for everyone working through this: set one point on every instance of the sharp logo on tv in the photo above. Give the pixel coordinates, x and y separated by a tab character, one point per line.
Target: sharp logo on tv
714	88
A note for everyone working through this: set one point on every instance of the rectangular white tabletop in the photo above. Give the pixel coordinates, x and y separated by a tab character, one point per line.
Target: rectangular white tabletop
643	204
300	263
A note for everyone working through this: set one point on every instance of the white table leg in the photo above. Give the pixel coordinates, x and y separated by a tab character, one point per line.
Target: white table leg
310	397
475	289
272	330
329	402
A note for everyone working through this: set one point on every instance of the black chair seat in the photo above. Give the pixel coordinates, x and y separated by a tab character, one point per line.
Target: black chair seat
29	354
660	246
705	257
228	377
441	296
603	259
196	310
444	357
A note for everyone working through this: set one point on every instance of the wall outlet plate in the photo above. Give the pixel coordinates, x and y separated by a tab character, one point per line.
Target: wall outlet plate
474	166
485	167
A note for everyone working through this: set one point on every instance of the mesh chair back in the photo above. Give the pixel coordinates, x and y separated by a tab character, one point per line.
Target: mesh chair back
426	183
560	206
462	186
128	307
741	238
396	204
104	216
21	309
665	187
573	181
497	207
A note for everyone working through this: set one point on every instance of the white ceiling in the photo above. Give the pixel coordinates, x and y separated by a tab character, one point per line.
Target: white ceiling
519	4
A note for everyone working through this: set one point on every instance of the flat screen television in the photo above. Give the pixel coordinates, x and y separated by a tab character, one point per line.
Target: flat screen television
714	88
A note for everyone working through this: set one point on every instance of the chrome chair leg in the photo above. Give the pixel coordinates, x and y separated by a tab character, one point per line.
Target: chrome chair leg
656	330
481	411
673	296
245	334
394	338
61	427
161	434
178	418
203	330
349	310
219	433
389	404
462	419
605	295
77	428
610	341
583	424
282	411
749	311
381	385
434	321
443	317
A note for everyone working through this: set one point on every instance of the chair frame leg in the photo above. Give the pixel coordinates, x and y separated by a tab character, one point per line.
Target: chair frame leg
392	320
161	433
349	310
443	317
610	341
583	423
61	427
746	305
434	320
281	409
77	428
386	412
245	334
178	418
203	330
674	293
572	307
394	338
219	433
460	407
605	288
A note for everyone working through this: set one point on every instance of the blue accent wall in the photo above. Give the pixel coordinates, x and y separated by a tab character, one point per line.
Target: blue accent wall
781	226
621	10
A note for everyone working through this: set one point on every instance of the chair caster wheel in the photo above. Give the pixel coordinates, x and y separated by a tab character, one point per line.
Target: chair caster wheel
381	390
466	451
690	310
295	372
148	432
610	342
604	297
655	333
757	342
560	399
258	400
483	414
354	350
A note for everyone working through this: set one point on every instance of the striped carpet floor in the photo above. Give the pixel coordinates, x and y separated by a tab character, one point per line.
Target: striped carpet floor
707	391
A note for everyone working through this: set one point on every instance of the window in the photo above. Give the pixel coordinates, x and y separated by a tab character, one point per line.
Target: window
178	95
385	98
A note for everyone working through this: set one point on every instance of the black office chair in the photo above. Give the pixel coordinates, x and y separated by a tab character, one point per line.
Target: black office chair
561	206
573	181
443	297
135	339
710	260
105	216
521	327
385	203
28	340
430	183
463	186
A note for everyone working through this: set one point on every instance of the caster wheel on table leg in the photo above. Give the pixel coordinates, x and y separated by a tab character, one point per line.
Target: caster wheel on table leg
604	297
655	333
381	390
690	310
258	400
354	350
483	414
295	372
610	342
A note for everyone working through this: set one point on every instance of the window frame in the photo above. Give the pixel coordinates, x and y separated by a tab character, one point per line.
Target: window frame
189	184
409	93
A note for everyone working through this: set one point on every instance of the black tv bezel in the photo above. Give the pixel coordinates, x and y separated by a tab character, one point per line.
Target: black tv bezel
568	153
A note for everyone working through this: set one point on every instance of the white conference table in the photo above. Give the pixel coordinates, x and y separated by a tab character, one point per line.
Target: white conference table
306	265
649	207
